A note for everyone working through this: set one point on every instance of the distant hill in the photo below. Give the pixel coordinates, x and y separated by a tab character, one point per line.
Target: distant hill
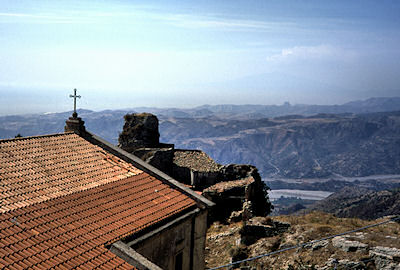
109	122
261	111
361	203
297	147
297	141
106	124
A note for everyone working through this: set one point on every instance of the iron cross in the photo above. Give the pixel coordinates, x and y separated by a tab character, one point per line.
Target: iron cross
74	96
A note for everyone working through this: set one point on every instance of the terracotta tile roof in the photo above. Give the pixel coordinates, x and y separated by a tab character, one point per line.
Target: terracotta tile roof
63	199
71	231
36	169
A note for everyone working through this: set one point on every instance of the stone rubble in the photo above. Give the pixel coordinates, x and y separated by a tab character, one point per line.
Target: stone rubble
386	258
196	160
257	228
318	245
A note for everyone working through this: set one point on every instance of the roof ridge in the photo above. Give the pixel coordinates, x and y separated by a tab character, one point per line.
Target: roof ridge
146	167
36	136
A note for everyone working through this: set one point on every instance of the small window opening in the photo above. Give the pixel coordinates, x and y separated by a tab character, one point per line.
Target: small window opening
179	261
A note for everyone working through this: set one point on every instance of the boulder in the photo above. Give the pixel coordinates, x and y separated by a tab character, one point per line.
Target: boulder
257	228
386	258
236	216
348	245
320	244
343	265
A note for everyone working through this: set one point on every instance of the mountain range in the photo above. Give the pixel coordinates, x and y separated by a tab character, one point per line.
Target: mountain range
296	141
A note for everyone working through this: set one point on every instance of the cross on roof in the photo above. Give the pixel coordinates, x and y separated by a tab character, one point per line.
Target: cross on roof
74	96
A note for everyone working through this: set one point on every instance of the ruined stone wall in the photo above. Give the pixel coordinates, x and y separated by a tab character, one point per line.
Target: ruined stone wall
139	131
161	158
195	168
182	174
201	180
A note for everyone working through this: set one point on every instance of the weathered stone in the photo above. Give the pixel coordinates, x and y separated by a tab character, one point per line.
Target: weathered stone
196	160
139	131
161	158
239	253
386	258
281	227
232	187
195	168
318	245
228	196
236	171
345	264
255	230
247	210
236	216
348	245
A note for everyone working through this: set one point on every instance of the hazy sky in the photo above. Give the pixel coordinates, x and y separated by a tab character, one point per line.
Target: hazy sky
121	54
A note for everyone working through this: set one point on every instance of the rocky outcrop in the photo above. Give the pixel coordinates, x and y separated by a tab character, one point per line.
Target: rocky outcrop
386	258
257	228
302	242
348	245
344	264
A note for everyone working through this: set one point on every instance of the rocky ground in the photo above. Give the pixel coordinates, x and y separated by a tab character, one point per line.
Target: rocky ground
373	248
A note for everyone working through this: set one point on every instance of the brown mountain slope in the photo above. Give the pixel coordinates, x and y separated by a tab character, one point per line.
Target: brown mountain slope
297	147
361	203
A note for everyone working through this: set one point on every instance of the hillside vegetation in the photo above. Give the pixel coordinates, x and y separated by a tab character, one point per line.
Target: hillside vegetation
354	251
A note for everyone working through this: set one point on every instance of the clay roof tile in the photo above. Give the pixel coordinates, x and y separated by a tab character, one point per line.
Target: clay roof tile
65	199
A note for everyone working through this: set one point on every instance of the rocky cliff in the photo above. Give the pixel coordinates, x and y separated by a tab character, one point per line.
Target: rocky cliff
297	146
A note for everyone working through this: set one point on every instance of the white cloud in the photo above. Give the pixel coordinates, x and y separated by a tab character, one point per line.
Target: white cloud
320	52
133	13
205	21
41	18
